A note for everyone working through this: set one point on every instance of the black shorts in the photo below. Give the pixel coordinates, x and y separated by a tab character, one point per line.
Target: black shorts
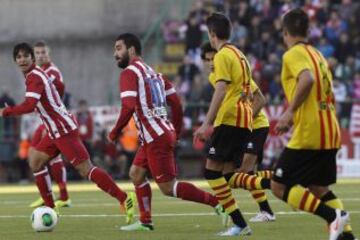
227	143
255	144
306	167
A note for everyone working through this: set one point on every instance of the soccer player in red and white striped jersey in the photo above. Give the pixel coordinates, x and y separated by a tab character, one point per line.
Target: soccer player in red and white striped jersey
56	165
63	136
144	95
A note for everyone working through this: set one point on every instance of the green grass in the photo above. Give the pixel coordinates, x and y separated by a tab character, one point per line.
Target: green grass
94	215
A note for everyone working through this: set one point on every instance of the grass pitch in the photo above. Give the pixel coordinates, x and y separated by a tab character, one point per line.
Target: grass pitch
94	215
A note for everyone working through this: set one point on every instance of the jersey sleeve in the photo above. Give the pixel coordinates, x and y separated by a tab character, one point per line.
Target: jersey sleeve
169	88
34	89
128	88
296	61
222	67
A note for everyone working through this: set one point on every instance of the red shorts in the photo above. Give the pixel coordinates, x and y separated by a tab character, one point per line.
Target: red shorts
158	157
70	145
39	134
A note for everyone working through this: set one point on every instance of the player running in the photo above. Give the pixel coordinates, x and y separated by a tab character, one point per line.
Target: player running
63	136
56	165
144	96
230	114
309	160
254	148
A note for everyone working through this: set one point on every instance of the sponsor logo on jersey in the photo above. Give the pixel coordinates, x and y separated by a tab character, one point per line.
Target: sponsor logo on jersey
160	176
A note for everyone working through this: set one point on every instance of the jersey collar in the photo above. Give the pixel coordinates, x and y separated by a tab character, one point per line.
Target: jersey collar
301	42
224	45
135	59
45	66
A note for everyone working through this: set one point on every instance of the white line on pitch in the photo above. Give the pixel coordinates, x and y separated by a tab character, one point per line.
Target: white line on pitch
158	215
91	202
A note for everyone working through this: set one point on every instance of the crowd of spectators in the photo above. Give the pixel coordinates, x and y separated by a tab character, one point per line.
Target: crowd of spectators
334	30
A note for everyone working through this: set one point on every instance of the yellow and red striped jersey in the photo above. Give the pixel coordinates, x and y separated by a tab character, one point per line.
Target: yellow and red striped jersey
231	65
315	122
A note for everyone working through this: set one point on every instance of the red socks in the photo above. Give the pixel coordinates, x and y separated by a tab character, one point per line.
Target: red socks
58	173
106	183
189	192
43	182
143	194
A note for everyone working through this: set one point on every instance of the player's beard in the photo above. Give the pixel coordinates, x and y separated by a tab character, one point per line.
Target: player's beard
125	61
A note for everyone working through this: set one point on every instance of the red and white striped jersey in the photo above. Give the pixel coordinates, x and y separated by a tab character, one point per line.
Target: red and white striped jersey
149	92
55	76
42	95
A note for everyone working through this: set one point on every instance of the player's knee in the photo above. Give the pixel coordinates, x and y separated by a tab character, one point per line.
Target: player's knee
35	161
84	168
167	189
35	165
167	192
137	175
318	191
277	189
136	178
245	169
248	163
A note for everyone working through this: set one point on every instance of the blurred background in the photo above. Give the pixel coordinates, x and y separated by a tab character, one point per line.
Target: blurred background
81	35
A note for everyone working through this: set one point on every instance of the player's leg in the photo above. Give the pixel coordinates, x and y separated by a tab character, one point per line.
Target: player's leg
245	178
321	190
331	200
74	150
161	162
225	148
268	174
222	191
35	140
297	167
252	158
38	157
137	174
249	163
37	162
58	174
247	181
160	155
327	176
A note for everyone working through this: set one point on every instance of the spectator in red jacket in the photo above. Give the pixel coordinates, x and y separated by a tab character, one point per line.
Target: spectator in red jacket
86	124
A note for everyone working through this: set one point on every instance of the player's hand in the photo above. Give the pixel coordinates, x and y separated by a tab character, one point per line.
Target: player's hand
111	137
200	133
285	122
1	112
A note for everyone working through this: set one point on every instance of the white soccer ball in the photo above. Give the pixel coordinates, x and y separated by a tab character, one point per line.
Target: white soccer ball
44	219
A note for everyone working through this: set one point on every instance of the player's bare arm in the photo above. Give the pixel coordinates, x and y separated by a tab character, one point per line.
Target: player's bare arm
126	112
258	103
217	99
304	85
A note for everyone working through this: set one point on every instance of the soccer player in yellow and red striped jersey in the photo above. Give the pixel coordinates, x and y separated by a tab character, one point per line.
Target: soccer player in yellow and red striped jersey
230	113
309	160
254	150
